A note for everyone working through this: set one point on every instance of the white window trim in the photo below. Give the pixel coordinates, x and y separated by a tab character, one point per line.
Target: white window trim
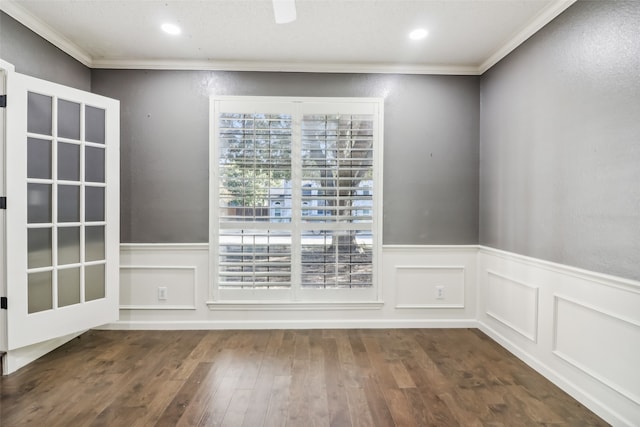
296	298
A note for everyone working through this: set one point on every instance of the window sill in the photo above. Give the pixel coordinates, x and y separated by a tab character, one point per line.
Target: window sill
294	305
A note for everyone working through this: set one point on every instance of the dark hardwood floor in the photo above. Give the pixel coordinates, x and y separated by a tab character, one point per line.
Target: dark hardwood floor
400	377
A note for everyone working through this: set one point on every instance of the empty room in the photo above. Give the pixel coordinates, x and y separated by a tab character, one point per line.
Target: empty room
319	212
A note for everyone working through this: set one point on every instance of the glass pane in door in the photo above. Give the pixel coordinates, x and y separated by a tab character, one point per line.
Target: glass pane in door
94	204
68	203
68	245
94	125
68	119
38	158
40	295
94	164
38	203
94	282
68	162
94	243
39	113
68	286
39	247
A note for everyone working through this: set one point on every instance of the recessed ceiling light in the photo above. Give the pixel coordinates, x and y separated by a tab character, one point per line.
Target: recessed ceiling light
172	29
284	11
418	34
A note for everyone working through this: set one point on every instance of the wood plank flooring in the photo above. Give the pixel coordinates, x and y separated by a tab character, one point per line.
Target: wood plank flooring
399	377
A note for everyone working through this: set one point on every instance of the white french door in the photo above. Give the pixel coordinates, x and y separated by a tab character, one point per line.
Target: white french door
62	217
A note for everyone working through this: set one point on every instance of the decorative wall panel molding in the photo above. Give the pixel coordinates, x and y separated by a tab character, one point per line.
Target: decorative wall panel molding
419	270
425	286
600	344
513	303
140	284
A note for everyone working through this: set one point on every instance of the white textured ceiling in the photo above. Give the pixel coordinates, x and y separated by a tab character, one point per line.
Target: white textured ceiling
465	36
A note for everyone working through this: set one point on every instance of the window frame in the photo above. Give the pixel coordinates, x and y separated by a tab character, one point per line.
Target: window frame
296	296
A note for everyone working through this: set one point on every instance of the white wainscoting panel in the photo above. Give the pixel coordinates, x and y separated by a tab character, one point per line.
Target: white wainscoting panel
183	269
602	345
587	327
139	286
429	286
432	281
580	329
408	279
513	303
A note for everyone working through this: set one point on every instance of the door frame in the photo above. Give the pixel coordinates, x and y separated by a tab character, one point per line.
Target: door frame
5	69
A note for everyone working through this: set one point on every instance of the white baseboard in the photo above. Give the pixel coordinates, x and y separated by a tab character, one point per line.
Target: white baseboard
291	324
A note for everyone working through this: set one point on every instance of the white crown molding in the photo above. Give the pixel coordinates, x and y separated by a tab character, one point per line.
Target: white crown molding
547	15
293	67
17	12
13	9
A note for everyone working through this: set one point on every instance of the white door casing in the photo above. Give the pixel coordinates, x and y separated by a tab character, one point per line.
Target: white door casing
5	67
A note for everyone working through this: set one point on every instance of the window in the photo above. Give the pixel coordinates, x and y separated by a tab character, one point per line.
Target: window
295	196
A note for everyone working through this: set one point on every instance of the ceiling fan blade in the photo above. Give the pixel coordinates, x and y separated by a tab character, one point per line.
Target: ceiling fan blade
284	11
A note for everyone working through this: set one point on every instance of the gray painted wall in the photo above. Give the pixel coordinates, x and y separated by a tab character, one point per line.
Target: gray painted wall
34	56
430	154
560	142
559	149
431	140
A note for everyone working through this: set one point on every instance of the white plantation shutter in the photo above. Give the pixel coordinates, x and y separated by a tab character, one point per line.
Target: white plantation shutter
337	182
294	203
254	258
254	161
